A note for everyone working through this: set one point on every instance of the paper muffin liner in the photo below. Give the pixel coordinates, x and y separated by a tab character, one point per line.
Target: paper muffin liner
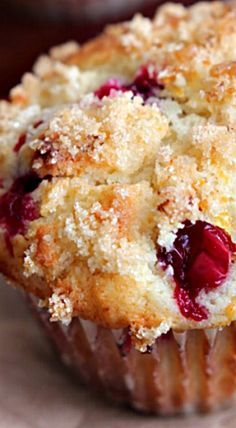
183	372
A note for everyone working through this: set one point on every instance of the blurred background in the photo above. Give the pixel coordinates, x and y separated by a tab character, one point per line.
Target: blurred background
30	27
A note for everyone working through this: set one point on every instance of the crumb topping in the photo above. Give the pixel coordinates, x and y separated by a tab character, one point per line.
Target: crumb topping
60	308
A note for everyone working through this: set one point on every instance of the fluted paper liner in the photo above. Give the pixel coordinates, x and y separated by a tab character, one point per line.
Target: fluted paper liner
184	372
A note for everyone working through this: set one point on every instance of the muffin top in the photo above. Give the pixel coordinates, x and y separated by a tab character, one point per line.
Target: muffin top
117	175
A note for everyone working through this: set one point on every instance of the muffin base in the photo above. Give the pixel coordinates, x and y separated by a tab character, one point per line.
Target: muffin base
182	373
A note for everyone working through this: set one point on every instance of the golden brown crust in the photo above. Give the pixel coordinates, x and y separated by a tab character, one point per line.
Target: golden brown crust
120	175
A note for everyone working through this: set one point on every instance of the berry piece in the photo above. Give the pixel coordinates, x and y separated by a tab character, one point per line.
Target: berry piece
37	123
200	258
17	207
144	84
21	141
106	89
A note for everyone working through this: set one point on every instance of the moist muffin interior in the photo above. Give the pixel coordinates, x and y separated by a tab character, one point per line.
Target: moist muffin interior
117	183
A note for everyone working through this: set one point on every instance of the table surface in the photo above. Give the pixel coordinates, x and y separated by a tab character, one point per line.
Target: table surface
37	392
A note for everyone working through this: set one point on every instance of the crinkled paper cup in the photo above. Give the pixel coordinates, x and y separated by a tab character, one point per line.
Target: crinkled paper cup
183	372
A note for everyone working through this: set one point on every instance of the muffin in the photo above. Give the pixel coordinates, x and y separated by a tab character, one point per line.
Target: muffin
118	206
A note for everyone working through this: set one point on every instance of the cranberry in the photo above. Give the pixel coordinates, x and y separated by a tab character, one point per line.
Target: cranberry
188	306
106	89
37	123
200	258
144	84
17	207
21	141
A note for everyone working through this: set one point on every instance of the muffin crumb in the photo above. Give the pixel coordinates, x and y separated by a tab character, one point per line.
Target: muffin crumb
60	308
